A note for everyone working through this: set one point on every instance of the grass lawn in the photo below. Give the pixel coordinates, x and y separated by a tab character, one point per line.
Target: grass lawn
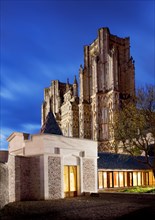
139	190
136	189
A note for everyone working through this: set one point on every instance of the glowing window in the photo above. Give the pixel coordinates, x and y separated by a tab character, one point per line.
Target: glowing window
66	182
100	180
125	179
105	179
115	179
110	179
121	179
134	178
139	178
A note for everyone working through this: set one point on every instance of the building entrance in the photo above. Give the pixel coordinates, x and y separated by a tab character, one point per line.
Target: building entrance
70	181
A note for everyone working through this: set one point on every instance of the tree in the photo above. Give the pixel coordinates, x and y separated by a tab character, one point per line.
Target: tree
134	124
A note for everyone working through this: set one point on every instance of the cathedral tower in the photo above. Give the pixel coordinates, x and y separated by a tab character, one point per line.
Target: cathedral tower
107	76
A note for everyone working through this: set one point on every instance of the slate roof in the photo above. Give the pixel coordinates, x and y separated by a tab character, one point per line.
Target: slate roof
121	161
50	126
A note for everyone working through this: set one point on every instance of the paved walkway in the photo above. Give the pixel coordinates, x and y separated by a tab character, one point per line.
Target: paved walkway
95	207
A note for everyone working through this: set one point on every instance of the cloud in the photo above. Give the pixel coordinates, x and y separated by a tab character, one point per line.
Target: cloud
31	128
4	134
6	94
14	88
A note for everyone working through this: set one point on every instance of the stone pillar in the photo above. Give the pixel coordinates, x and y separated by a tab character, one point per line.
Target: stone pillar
54	177
4	194
36	177
14	180
89	175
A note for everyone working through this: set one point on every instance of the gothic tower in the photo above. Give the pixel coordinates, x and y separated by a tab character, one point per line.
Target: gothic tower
62	100
107	76
53	99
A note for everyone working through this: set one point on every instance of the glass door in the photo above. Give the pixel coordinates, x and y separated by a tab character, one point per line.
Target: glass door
70	181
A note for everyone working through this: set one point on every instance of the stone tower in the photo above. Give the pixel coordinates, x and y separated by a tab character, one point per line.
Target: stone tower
107	76
62	100
53	99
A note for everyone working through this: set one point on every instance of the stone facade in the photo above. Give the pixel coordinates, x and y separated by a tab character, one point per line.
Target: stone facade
35	179
88	175
25	182
62	99
107	76
3	156
54	177
4	192
35	167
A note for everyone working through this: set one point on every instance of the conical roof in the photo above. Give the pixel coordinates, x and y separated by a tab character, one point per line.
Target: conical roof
50	125
75	80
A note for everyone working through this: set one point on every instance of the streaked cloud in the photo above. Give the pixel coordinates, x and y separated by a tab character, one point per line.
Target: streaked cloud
4	134
18	88
30	128
6	94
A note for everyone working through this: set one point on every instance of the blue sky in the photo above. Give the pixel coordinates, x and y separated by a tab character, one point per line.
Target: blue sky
43	40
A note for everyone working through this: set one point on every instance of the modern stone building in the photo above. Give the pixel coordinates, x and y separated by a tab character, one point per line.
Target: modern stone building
47	166
107	76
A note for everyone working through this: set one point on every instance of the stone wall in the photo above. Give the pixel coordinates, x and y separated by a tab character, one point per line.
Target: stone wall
89	175
36	184
4	194
18	178
3	156
11	174
54	177
25	178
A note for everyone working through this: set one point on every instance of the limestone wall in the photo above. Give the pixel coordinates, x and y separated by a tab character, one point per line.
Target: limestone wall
89	175
4	194
25	181
3	156
36	172
18	178
11	174
23	176
54	177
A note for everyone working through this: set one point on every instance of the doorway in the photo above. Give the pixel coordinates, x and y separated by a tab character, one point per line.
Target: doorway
70	181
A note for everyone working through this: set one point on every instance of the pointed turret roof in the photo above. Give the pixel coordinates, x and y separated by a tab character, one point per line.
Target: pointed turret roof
67	85
75	80
50	125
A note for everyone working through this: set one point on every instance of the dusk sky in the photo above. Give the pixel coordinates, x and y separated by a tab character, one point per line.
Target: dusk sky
43	40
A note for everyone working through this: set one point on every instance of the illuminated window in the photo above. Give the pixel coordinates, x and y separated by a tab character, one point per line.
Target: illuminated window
121	179
134	178
115	179
105	179
100	180
125	179
70	180
129	178
109	179
139	178
66	178
73	176
145	179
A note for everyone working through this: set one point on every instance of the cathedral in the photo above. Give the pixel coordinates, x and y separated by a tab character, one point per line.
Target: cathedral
107	77
70	155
